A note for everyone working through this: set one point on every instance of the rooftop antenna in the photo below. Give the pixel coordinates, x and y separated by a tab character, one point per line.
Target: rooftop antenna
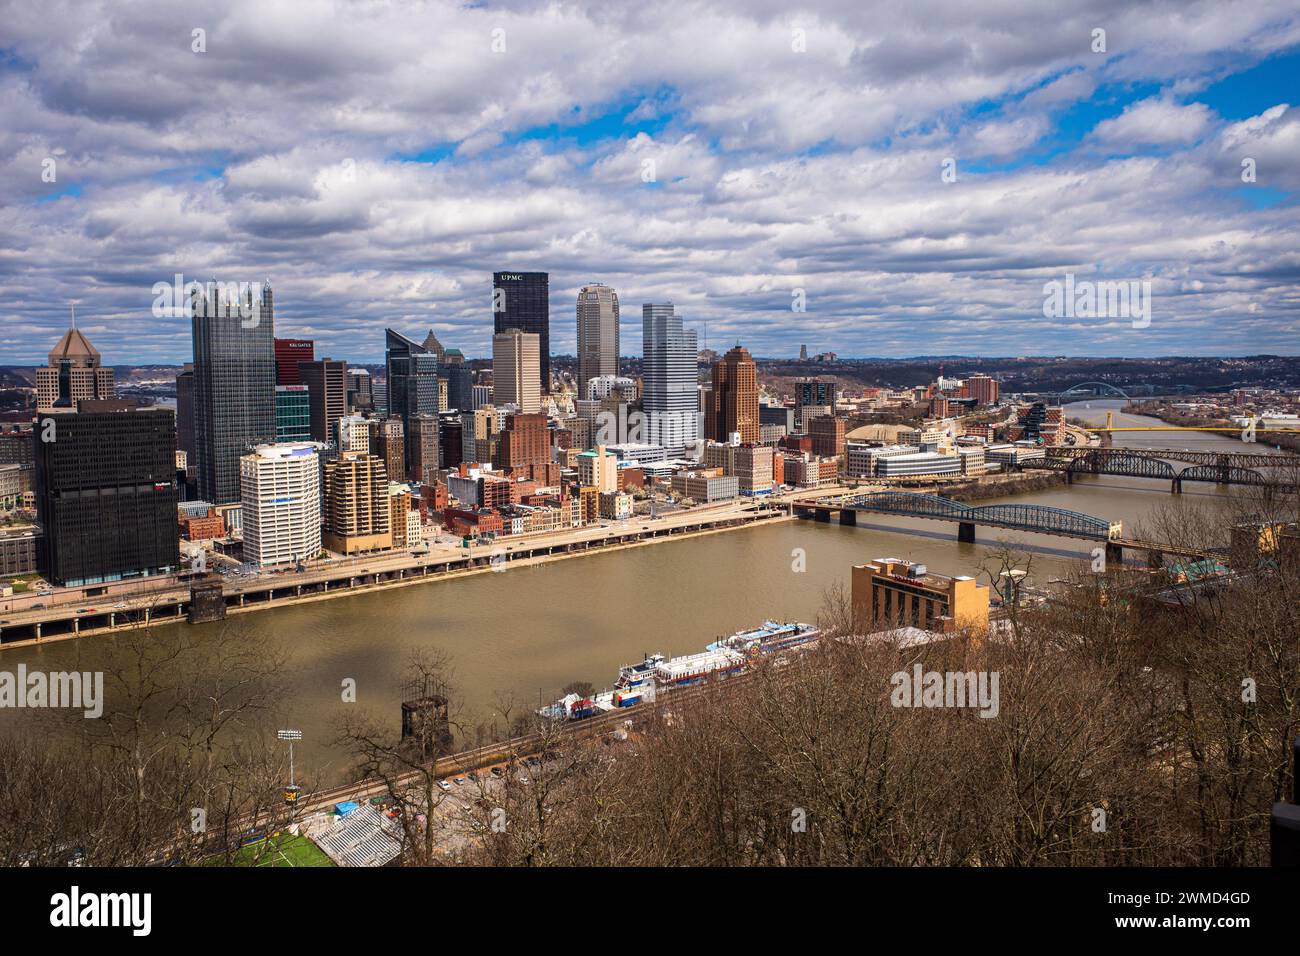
73	307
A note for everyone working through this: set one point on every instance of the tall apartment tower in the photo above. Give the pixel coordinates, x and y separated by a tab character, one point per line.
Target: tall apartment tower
106	493
412	371
670	373
515	359
234	386
982	388
74	374
733	401
597	334
281	503
522	300
355	507
327	386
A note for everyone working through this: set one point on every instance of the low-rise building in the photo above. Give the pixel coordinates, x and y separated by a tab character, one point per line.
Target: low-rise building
891	592
923	463
705	488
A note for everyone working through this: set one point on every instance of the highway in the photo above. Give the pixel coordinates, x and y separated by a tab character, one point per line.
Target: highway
165	602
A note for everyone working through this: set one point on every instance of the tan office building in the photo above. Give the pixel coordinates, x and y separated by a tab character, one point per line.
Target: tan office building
891	592
516	370
74	367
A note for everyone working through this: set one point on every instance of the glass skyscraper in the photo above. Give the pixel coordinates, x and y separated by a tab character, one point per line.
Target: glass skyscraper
292	413
412	372
234	384
670	374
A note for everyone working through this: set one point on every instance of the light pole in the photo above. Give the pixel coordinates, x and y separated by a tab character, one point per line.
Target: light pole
292	791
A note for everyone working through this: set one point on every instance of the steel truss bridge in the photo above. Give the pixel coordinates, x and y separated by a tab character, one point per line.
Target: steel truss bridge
1216	467
1018	517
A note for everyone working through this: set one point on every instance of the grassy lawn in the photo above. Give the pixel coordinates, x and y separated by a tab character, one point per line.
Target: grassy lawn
280	850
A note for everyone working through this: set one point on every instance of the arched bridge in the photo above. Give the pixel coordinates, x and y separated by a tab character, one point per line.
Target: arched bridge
1018	517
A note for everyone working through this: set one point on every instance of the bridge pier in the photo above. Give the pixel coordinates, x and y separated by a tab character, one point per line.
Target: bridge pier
1155	560
966	532
822	514
1114	553
849	517
1177	486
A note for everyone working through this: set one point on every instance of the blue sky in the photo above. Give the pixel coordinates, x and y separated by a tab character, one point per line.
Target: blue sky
377	165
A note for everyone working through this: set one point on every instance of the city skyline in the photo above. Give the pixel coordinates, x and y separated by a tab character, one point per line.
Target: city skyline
913	197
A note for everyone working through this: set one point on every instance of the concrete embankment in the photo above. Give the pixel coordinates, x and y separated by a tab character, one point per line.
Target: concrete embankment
331	583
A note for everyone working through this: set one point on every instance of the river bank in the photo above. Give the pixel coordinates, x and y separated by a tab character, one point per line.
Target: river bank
1000	486
314	586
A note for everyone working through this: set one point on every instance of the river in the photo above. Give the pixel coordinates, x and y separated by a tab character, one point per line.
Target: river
527	632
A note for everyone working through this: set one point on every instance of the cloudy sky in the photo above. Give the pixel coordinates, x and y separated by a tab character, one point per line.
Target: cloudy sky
915	171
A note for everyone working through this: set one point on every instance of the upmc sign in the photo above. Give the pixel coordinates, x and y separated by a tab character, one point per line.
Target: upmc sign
511	278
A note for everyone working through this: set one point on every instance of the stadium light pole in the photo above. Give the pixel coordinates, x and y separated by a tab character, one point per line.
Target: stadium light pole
291	792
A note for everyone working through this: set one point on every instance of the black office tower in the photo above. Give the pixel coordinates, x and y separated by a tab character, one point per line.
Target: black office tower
106	493
522	300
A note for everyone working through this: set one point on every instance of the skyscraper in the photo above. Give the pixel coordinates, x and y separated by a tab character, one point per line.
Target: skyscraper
185	415
812	393
106	493
327	383
292	413
597	334
459	378
234	385
391	446
525	444
280	486
522	300
412	372
733	401
74	373
670	373
361	397
515	358
355	507
289	354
